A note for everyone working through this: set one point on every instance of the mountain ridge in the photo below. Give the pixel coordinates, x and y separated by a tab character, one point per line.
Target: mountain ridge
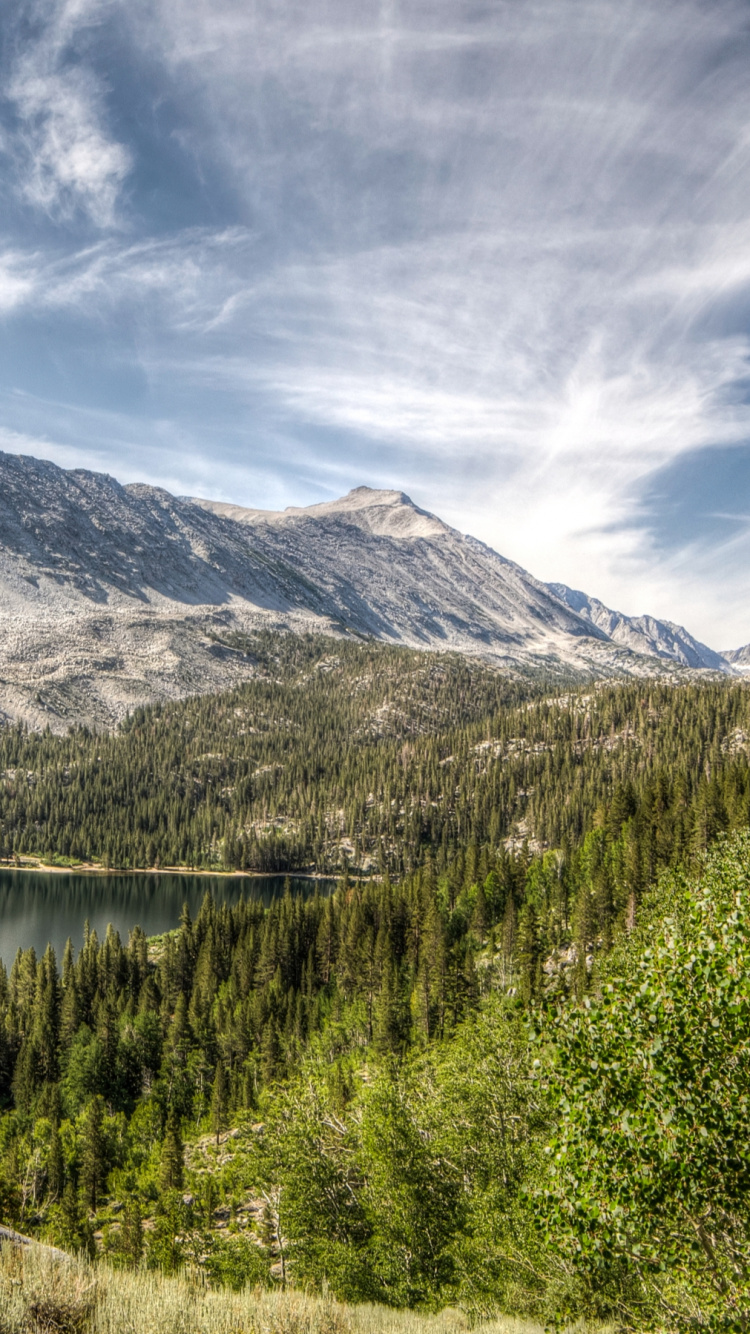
114	595
643	634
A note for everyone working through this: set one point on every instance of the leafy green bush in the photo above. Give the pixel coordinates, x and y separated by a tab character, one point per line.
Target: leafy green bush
649	1187
408	1190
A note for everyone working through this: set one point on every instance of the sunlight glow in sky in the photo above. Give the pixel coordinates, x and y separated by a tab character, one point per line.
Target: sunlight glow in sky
496	255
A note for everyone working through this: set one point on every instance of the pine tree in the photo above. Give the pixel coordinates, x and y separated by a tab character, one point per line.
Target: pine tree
387	1023
75	1231
93	1165
172	1155
479	916
529	953
219	1101
509	935
270	1051
132	1232
55	1167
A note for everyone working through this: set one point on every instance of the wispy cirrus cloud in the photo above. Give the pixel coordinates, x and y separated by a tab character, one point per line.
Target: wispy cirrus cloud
68	160
496	255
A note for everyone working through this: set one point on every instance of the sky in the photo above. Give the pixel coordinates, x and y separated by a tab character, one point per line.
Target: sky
495	255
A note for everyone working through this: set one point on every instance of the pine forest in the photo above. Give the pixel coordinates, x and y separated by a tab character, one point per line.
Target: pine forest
504	1067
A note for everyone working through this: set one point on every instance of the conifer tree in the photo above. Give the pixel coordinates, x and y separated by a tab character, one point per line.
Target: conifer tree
387	1034
93	1164
508	935
219	1101
55	1167
132	1232
529	953
172	1155
479	915
75	1231
270	1051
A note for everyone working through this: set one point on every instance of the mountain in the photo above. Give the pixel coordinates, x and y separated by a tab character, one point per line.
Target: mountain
738	658
642	634
112	595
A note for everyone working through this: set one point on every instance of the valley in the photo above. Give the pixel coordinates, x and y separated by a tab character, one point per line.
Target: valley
375	667
354	1092
395	947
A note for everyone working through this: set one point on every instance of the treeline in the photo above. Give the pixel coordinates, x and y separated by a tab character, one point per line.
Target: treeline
243	988
312	763
368	757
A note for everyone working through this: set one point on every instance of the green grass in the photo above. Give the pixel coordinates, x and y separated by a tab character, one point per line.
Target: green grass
40	1294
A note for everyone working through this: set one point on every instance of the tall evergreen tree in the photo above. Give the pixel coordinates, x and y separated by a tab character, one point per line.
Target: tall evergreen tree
172	1155
219	1101
93	1163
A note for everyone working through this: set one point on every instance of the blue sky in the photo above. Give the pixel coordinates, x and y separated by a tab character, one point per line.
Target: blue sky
495	254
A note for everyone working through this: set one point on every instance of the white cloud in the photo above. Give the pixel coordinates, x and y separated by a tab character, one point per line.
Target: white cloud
496	255
17	280
70	161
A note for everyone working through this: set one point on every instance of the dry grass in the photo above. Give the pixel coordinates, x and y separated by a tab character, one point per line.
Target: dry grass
41	1295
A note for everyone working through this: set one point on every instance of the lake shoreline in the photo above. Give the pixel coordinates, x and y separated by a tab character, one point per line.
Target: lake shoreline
96	869
40	907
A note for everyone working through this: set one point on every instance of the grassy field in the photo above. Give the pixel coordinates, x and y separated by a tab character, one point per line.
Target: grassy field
40	1294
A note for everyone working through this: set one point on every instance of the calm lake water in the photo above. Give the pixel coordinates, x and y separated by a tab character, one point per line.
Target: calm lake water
38	907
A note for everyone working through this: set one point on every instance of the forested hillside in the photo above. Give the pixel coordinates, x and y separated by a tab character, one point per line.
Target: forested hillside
504	1068
365	756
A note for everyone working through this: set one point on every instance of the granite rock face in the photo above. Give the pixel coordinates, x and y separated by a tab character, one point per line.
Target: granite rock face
643	634
738	658
113	595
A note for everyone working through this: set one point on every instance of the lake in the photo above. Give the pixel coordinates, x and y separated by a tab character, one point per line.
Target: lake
41	907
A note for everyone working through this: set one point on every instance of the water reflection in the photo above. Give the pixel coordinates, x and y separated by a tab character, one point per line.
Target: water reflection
37	907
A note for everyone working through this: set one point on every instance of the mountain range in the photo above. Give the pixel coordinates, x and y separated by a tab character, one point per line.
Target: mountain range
113	595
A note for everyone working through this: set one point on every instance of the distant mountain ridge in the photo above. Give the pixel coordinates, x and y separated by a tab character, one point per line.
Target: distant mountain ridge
738	658
112	595
643	634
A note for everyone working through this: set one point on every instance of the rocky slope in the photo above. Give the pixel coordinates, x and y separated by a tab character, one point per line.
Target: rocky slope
643	634
738	658
111	595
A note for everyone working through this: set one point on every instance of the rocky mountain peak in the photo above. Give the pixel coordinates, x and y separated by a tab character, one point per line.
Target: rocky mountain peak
382	513
113	595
